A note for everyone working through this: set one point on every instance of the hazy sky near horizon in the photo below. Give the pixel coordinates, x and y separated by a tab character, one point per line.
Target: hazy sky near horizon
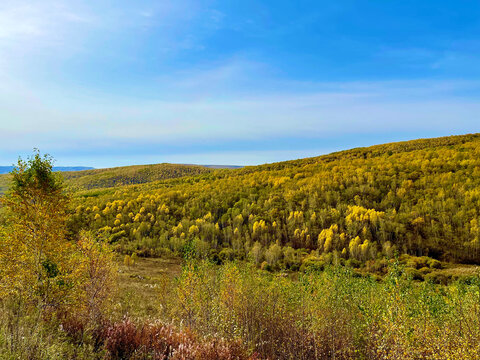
116	82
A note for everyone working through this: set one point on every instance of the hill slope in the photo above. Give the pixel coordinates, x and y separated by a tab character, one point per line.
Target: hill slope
419	197
127	175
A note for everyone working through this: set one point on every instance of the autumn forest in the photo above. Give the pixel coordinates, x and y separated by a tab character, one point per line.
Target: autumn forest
369	253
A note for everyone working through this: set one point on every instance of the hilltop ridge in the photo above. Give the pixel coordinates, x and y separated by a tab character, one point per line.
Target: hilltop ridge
128	175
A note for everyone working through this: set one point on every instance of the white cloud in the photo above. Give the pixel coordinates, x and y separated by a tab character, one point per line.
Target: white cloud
234	99
49	29
37	34
68	119
44	20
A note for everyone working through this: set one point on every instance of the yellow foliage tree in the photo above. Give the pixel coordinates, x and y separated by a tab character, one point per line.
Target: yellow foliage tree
97	274
39	266
37	263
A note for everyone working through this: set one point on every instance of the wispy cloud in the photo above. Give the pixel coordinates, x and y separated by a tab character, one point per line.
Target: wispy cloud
40	32
22	20
314	112
186	79
52	28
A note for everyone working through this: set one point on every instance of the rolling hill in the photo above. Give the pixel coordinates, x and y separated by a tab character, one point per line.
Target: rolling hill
419	198
128	175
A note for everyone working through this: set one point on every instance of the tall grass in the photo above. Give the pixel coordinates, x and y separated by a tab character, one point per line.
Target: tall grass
236	311
26	337
328	315
24	334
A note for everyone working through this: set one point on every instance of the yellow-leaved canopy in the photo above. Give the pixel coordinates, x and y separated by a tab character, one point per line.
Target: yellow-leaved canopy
39	265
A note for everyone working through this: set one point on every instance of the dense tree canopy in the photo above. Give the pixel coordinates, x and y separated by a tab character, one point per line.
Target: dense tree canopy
128	175
419	197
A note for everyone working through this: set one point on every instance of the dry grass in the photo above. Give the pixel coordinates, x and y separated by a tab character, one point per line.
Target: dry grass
140	286
459	271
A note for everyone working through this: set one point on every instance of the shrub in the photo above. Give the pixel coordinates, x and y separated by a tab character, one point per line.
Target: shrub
434	264
126	340
353	263
414	274
334	313
312	265
226	254
438	278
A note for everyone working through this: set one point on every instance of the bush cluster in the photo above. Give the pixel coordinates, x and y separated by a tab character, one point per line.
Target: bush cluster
332	314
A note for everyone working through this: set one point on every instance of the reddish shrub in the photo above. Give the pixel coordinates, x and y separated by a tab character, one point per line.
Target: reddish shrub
73	326
121	339
210	350
125	340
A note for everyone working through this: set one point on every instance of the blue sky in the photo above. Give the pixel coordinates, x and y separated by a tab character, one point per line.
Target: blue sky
106	83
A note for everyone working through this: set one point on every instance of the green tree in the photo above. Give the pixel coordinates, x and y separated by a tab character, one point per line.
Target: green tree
36	260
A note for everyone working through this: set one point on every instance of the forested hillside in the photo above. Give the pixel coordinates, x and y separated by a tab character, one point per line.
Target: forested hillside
62	294
126	175
138	174
420	198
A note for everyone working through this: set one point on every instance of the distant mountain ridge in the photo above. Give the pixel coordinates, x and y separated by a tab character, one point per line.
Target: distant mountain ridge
7	169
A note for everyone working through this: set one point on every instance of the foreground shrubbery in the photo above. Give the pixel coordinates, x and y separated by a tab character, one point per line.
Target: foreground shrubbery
24	338
157	341
334	314
236	311
45	277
